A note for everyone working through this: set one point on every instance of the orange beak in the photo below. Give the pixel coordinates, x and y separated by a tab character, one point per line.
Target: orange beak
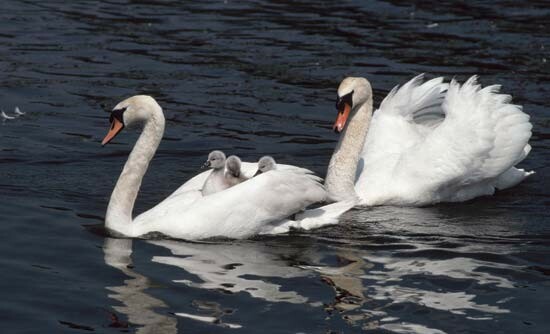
116	126
341	118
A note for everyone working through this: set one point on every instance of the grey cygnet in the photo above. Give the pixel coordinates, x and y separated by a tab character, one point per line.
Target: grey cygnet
265	164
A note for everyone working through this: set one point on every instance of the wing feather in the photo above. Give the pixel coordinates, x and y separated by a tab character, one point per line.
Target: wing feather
482	136
237	212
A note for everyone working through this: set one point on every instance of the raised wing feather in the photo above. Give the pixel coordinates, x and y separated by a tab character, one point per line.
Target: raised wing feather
405	117
417	101
482	136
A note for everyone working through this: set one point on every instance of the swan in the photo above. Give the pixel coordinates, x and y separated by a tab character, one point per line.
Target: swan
216	179
233	173
248	170
238	212
428	142
265	164
225	173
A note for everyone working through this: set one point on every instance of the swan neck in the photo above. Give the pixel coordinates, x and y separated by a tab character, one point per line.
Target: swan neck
121	204
341	174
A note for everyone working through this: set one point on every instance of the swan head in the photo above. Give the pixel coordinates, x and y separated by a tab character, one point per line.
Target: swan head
133	110
353	92
233	166
265	164
216	160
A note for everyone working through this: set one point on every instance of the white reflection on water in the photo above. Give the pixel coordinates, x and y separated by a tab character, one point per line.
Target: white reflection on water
396	270
141	308
138	306
454	302
357	279
459	268
229	266
407	328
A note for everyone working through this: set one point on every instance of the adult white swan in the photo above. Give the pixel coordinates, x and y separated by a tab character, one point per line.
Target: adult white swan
255	206
427	143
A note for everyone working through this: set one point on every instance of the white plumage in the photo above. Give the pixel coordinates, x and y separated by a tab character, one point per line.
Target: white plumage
433	142
256	205
238	212
248	169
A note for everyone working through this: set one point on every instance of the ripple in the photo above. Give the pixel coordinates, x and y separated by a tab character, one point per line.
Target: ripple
253	78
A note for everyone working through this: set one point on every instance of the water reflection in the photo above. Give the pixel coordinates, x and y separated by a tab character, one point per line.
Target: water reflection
138	306
371	288
229	267
345	279
239	267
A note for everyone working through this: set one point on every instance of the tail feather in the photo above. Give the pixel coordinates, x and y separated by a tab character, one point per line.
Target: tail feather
325	215
511	177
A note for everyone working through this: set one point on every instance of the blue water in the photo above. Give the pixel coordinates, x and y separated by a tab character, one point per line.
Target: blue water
254	78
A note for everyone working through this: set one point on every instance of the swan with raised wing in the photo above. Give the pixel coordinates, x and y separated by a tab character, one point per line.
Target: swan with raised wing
241	211
428	142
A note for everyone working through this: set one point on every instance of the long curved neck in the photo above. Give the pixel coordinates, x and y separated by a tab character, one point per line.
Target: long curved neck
342	169
119	211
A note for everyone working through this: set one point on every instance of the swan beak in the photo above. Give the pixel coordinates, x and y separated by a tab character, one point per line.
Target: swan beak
116	127
341	119
206	164
257	173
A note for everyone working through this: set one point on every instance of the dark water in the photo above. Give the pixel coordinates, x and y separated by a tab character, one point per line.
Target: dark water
253	78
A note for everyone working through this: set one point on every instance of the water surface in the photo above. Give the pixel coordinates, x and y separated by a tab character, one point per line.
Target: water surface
254	78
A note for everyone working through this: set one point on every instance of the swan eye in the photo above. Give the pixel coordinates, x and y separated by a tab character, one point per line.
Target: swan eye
341	101
117	114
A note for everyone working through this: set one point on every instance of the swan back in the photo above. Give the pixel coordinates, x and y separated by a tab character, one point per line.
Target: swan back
248	169
238	212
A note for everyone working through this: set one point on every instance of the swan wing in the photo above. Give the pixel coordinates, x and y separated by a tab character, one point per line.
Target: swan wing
483	136
237	212
417	101
405	117
194	183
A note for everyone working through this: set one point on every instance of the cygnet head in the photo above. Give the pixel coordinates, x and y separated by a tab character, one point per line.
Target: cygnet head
265	164
233	166
133	110
352	93
216	160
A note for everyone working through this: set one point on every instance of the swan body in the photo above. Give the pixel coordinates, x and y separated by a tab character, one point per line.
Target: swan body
428	142
238	212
